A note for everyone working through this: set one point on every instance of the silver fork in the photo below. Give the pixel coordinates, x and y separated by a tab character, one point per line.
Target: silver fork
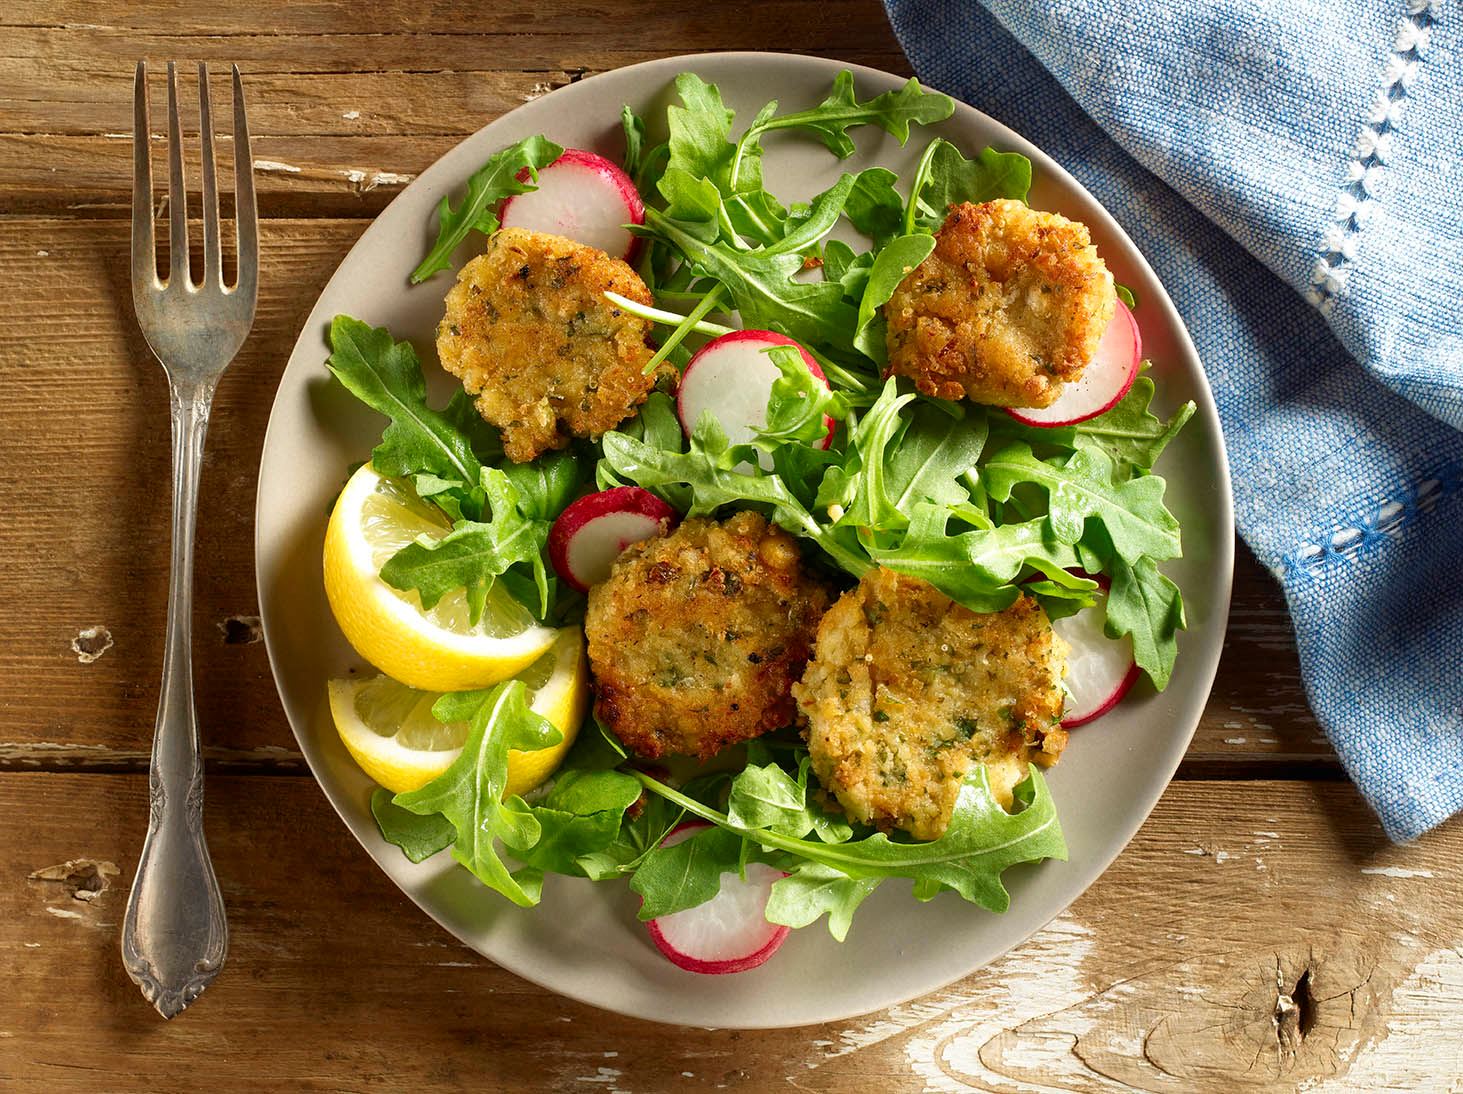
175	936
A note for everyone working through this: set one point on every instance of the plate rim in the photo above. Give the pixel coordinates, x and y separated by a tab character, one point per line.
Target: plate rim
1206	412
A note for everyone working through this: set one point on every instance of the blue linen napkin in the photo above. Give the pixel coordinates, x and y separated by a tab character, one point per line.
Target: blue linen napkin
1293	171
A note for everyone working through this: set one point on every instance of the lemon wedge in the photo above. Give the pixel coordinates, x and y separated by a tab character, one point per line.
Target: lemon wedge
389	729
436	650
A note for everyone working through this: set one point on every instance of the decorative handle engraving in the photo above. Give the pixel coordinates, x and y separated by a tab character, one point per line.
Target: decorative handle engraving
175	934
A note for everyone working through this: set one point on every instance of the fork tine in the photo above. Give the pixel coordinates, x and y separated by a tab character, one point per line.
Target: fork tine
177	188
212	258
246	212
144	255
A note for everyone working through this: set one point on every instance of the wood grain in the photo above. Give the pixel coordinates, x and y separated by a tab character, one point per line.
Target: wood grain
1259	934
342	119
1178	970
84	476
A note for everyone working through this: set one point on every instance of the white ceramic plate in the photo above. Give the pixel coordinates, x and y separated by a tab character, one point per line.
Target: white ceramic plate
584	940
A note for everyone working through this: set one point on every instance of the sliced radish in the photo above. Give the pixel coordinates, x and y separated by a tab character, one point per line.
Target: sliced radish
732	376
583	197
592	531
1104	381
1100	670
730	932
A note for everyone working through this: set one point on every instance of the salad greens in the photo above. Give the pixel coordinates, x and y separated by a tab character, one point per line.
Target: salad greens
486	187
963	496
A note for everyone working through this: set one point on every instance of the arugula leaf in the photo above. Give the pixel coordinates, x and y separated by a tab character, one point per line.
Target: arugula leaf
719	473
799	405
645	825
976	568
489	184
893	111
838	256
822	215
693	202
857	485
945	177
700	130
688	873
579	818
633	127
469	794
891	265
813	890
546	485
1131	512
874	207
762	285
979	843
763	795
658	427
933	454
1125	294
1130	432
386	376
475	553
1147	605
418	837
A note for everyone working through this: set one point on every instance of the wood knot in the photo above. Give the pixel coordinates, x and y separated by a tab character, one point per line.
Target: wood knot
84	878
1295	1012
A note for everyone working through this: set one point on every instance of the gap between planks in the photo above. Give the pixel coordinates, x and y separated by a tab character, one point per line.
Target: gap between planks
1250	938
56	758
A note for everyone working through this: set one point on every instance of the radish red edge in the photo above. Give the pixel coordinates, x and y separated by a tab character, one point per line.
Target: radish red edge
739	416
1108	377
777	933
1117	671
1124	686
584	562
608	172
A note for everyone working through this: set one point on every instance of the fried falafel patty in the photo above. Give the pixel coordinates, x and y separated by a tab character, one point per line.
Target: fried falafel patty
529	332
696	638
1009	306
907	690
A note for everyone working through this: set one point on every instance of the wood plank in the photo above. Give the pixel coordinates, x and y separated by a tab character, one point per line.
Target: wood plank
84	478
1206	959
343	119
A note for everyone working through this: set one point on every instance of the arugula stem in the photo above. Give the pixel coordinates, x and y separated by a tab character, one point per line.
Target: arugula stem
839	375
921	177
657	315
724	219
854	115
836	855
761	224
684	327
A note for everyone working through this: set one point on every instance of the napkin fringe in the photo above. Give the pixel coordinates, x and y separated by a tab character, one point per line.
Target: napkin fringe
1373	148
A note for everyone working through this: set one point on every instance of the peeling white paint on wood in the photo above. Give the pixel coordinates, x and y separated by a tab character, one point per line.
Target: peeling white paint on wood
1421	1043
90	643
1043	977
1396	871
364	180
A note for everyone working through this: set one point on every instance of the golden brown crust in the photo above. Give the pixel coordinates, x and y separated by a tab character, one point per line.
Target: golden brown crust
528	331
696	638
1010	305
908	690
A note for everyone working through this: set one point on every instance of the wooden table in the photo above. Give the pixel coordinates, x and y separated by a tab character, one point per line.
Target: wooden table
1259	933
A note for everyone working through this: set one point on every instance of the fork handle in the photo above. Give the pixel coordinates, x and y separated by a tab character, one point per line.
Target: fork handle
175	935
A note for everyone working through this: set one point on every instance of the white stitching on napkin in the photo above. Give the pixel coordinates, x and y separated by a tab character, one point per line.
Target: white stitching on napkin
1373	150
1384	522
